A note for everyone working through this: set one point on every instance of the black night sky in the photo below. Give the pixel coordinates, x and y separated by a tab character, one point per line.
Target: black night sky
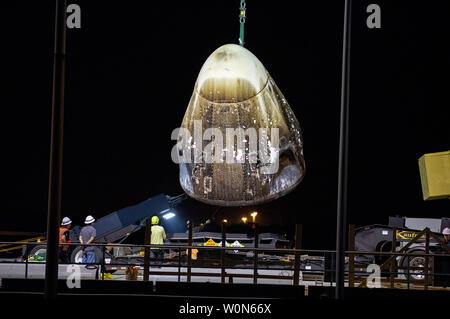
130	73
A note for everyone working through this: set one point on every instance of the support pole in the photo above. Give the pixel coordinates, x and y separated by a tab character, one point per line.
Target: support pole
392	269
189	256
341	233
222	254
255	265
351	257
298	245
147	241
56	153
427	259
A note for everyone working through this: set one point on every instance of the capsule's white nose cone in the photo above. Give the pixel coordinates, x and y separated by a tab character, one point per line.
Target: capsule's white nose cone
221	77
242	143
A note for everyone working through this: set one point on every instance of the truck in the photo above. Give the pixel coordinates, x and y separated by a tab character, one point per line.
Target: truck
378	238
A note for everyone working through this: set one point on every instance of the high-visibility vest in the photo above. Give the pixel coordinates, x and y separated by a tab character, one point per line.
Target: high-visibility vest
194	253
62	230
158	235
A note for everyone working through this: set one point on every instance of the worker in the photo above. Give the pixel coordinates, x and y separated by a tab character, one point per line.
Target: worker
443	262
446	233
157	238
64	237
87	236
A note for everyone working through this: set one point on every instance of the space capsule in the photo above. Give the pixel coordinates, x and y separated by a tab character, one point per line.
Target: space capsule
239	143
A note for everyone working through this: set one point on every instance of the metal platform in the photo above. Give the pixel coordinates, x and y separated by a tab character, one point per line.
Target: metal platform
37	271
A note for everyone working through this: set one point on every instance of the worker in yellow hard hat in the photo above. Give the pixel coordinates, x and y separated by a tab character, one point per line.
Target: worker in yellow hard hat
157	238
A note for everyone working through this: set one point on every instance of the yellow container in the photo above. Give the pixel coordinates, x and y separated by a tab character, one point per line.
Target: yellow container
435	175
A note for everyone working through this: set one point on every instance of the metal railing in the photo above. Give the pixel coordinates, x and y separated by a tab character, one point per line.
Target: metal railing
298	262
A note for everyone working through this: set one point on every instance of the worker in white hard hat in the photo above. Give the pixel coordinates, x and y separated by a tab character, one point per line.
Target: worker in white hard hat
64	237
157	238
446	233
87	236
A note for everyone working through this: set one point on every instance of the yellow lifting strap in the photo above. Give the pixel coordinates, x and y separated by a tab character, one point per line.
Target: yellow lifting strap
242	10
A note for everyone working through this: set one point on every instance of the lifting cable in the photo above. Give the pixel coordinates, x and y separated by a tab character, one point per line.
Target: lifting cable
242	9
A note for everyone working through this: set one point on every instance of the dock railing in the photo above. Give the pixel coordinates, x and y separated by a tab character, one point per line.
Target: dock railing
294	266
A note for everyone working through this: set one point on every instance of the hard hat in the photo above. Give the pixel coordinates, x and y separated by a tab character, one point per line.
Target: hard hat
89	219
446	231
155	220
66	221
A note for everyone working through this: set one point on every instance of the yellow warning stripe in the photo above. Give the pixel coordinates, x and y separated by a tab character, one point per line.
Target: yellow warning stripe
37	239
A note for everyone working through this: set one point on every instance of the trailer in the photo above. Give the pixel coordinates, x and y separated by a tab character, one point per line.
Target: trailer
119	225
211	240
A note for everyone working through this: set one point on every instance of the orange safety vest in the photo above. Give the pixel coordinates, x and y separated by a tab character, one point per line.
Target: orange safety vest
62	230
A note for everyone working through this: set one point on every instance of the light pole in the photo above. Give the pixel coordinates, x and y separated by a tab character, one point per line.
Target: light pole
254	216
56	152
341	225
244	219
